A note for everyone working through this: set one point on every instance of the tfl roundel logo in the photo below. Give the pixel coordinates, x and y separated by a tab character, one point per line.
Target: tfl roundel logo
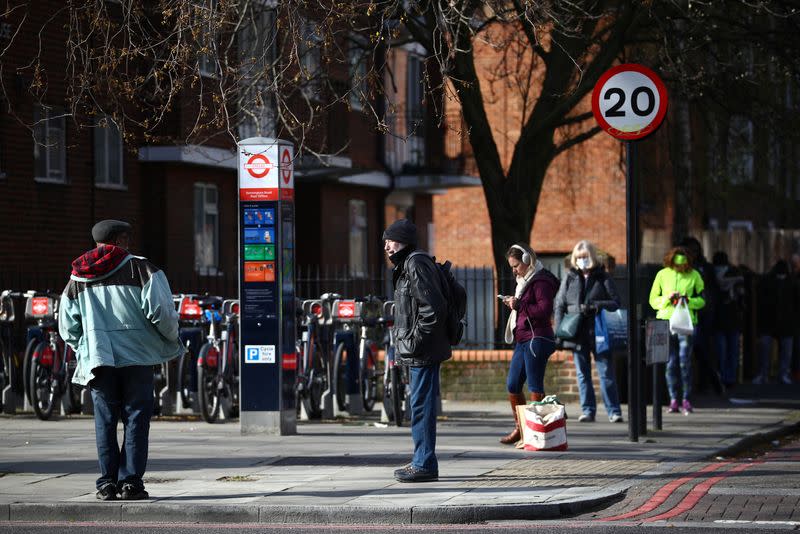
258	165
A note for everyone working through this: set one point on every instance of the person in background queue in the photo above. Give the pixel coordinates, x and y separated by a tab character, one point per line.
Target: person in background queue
528	328
677	282
587	289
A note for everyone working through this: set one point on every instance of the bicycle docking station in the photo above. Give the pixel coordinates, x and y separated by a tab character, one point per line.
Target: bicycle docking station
266	286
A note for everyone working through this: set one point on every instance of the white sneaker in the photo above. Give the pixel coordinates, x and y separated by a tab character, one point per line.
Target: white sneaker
786	379
759	379
616	418
586	418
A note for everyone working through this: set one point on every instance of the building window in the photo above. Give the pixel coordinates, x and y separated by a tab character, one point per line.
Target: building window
415	112
49	144
206	229
310	59
741	159
359	88
257	54
204	15
358	238
107	154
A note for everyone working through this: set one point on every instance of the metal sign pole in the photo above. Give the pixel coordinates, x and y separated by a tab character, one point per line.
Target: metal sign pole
634	366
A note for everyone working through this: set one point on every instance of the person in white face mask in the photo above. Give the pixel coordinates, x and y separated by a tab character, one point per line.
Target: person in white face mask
585	290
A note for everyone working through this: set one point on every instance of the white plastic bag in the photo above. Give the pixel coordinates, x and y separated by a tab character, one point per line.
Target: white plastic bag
681	320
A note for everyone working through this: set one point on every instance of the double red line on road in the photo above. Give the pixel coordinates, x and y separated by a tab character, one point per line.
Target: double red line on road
688	502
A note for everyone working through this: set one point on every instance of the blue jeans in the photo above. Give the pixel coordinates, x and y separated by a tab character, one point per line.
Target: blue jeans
124	393
728	352
679	366
608	386
528	363
424	389
784	355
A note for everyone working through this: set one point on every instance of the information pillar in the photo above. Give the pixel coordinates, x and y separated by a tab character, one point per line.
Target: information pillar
266	286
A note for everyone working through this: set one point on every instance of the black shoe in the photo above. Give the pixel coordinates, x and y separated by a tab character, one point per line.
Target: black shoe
130	493
415	474
107	493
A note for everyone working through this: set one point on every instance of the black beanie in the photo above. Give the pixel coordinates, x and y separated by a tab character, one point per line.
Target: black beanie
402	231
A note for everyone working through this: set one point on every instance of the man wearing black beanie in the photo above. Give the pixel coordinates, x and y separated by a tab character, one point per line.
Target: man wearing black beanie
421	341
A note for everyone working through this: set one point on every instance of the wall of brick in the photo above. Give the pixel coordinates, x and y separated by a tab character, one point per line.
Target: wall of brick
481	376
583	194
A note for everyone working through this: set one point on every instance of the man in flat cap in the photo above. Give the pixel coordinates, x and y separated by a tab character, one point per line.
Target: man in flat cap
422	342
118	315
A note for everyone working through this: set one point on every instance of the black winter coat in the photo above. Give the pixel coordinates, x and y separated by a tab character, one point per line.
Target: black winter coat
598	291
420	322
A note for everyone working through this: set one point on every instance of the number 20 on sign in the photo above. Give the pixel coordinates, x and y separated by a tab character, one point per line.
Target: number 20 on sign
629	101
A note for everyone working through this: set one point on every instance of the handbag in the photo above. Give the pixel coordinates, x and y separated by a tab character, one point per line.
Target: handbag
543	425
568	327
680	322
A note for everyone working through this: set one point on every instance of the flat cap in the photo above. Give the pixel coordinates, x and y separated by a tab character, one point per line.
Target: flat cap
402	231
106	231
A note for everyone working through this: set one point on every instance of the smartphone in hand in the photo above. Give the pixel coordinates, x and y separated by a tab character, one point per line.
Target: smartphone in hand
502	297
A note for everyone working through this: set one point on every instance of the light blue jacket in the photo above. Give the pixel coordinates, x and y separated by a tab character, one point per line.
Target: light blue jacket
122	318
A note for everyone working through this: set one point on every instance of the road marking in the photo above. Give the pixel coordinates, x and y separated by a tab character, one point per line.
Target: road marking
664	493
697	493
755	522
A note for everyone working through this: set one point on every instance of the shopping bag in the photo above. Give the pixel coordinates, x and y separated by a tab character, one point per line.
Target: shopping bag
616	328
602	343
544	425
681	320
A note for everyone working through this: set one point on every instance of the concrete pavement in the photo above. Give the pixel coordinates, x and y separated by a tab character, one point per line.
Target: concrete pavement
341	472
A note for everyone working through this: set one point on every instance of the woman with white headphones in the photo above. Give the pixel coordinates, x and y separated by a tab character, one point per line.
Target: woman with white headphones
528	328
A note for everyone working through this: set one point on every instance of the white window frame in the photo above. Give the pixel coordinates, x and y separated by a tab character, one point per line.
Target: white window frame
207	62
207	208
310	59
358	225
46	147
262	122
357	66
104	125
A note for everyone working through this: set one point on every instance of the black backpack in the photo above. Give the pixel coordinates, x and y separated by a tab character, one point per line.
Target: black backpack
456	297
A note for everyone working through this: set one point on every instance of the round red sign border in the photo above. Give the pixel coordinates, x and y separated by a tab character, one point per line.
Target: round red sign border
662	96
266	170
286	172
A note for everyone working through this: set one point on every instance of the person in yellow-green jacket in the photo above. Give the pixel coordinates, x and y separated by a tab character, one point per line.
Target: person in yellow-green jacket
675	282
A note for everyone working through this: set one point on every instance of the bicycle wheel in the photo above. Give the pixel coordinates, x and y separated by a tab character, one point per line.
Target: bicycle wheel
368	379
26	367
185	379
397	394
317	381
71	393
340	375
230	388
42	383
208	393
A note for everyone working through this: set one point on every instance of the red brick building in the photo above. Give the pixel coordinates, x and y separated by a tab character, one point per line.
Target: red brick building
182	199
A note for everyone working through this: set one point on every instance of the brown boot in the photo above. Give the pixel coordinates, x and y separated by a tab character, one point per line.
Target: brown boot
536	397
515	399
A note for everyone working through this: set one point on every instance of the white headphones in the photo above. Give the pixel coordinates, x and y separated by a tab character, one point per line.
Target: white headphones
526	256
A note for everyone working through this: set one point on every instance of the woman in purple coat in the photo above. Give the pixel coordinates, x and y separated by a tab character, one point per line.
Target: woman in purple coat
529	328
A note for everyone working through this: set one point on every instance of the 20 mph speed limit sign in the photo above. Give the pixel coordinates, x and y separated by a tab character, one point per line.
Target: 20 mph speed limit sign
629	101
